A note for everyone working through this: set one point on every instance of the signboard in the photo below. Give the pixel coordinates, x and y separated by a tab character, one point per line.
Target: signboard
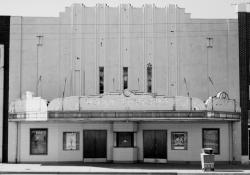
211	139
38	141
179	140
70	141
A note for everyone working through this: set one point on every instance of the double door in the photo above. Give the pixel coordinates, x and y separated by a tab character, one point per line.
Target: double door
94	145
155	146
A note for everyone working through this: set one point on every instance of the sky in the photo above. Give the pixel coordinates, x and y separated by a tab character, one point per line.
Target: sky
197	8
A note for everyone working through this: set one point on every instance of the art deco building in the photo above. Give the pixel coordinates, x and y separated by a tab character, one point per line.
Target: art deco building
121	84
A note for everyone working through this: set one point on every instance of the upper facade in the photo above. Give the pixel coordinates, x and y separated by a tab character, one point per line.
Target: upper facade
93	50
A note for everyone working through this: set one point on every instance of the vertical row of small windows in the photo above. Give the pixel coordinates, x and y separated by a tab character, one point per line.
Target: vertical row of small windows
149	77
101	80
125	77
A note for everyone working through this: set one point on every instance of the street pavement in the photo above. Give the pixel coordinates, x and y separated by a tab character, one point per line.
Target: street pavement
108	168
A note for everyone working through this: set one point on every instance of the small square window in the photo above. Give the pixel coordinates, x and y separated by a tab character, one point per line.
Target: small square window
179	140
70	141
125	139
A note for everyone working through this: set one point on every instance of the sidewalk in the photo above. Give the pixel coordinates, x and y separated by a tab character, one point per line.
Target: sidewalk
173	169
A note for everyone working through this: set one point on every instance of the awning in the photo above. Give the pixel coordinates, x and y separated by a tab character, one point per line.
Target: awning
144	115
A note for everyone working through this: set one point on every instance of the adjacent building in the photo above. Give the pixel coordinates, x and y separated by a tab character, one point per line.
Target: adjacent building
122	84
244	53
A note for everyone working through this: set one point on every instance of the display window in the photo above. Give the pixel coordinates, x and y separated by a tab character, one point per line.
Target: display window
38	141
179	141
125	139
211	139
71	141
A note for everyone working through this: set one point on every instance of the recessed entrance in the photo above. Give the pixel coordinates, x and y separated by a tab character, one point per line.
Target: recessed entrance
155	146
94	145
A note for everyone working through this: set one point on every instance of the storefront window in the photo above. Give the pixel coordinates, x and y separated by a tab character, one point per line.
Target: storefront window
179	140
38	141
71	141
125	139
211	139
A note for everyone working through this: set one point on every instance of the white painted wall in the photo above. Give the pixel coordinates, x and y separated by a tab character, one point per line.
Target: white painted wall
55	140
194	140
24	56
13	148
125	154
236	147
115	37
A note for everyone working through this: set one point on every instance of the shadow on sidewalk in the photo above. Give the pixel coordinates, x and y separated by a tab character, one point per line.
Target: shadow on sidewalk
153	166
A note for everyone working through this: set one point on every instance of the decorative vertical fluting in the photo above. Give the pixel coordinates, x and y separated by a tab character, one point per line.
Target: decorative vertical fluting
82	51
153	55
21	55
96	66
144	55
177	28
120	83
167	48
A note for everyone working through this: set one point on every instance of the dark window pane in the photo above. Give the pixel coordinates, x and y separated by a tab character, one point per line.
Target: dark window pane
38	141
211	139
101	80
125	77
149	77
125	139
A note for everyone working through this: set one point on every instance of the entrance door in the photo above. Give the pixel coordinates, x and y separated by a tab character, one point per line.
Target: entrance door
94	145
155	146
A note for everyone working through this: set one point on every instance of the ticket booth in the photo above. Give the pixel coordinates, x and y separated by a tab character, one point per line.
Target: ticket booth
125	145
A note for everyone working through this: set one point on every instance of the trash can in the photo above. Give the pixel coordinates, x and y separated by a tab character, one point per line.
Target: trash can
207	159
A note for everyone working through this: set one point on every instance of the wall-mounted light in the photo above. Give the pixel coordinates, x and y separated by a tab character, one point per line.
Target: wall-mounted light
210	42
40	40
38	45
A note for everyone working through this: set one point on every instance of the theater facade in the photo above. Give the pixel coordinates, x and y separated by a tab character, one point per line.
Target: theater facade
120	84
129	126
